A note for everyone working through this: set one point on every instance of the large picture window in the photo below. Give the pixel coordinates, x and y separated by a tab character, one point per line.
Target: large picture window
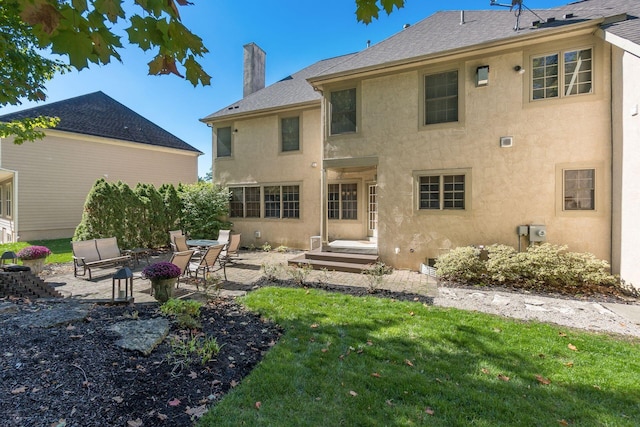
562	74
342	201
441	97
442	192
343	111
223	142
579	189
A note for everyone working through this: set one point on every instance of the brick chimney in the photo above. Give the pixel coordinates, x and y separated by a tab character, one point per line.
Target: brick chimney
254	71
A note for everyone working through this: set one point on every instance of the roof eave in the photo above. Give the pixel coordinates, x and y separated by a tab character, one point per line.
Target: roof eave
499	44
259	113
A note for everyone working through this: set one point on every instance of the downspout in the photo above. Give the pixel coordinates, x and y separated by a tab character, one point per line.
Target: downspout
323	173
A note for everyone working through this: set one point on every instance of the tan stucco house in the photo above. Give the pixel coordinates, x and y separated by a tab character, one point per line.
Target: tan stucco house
44	184
467	128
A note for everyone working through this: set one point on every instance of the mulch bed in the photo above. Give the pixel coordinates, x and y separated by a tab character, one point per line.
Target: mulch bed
74	375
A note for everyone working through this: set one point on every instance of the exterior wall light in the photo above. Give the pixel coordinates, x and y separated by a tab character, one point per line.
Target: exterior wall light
482	76
518	69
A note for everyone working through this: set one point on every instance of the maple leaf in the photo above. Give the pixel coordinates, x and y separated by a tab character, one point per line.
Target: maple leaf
572	347
41	13
174	402
197	412
543	380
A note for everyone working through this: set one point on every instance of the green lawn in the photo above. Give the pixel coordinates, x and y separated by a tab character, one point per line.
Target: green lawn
60	248
376	362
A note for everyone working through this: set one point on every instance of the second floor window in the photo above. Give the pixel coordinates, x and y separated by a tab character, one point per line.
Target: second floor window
441	97
223	145
290	133
343	111
562	74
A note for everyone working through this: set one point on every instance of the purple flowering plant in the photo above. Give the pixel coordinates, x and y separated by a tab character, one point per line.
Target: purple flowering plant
33	252
161	270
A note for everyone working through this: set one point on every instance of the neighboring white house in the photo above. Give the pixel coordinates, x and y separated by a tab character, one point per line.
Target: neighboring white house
458	130
44	184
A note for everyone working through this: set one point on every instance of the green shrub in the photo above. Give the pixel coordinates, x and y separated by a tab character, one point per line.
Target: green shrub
181	306
375	275
543	265
461	264
204	205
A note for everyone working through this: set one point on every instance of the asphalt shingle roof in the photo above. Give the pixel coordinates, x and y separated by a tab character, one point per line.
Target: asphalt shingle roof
100	115
289	91
443	32
439	34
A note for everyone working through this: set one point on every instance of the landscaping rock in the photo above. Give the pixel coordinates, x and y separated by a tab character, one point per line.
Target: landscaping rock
141	335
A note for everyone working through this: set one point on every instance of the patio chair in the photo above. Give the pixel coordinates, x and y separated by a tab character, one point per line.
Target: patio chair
207	264
232	248
223	236
179	243
174	233
182	259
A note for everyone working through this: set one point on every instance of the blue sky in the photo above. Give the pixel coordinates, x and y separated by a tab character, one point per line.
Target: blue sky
294	34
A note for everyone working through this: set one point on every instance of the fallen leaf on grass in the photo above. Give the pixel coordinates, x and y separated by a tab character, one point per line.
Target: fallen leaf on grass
19	390
258	405
569	364
135	423
324	350
485	371
197	412
234	383
353	393
543	380
314	326
503	377
408	362
597	387
563	422
376	375
572	347
174	402
562	334
429	411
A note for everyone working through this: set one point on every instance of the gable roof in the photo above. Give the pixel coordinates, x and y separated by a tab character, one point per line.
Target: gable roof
443	32
291	91
100	115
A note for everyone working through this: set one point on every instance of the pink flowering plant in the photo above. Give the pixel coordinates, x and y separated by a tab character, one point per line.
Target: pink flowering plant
34	252
161	270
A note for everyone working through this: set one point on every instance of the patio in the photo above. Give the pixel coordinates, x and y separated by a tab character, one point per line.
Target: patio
245	271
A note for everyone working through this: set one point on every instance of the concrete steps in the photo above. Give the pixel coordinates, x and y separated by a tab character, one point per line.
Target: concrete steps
335	261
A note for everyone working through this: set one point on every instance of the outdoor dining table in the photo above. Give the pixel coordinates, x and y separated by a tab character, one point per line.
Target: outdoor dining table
202	243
